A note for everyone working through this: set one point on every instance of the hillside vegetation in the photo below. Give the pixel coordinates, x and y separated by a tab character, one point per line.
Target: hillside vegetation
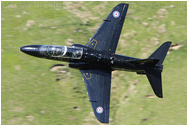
33	93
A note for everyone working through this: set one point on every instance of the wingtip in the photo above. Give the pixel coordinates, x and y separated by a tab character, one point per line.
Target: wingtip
123	4
103	122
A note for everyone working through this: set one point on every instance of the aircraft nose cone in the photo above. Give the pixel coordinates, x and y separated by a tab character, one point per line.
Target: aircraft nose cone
24	49
33	50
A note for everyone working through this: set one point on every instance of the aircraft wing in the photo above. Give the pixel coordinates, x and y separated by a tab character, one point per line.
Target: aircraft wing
98	85
107	36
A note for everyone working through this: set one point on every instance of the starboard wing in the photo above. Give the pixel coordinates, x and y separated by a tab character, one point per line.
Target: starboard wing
107	36
98	85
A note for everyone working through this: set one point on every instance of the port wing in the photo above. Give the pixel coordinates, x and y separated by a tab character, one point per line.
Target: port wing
98	84
107	36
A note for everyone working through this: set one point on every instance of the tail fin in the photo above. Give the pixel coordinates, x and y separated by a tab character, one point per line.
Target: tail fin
160	53
154	76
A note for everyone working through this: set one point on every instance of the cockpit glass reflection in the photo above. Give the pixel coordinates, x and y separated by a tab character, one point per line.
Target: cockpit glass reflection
64	52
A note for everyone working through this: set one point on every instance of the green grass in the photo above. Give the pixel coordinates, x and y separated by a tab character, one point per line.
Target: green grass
32	96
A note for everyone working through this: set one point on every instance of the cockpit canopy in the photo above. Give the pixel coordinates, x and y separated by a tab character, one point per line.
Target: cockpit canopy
64	52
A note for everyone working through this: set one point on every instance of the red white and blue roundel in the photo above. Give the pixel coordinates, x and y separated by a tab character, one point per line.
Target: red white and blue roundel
99	110
116	14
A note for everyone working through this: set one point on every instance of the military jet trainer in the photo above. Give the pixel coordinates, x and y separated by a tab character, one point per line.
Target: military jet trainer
97	59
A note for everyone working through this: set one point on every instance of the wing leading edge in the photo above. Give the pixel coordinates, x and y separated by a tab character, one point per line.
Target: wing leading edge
107	36
98	85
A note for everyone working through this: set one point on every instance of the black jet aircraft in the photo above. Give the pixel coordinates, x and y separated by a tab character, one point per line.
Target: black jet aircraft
97	59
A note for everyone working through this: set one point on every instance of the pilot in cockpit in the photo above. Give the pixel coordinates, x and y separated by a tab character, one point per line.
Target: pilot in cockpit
64	52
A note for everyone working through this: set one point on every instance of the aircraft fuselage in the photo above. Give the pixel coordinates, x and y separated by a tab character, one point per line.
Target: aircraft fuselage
83	57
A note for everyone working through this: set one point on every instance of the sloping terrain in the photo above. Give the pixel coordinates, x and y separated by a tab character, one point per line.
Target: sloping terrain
35	92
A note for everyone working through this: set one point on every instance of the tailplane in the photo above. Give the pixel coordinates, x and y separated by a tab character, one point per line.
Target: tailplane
154	75
160	53
155	80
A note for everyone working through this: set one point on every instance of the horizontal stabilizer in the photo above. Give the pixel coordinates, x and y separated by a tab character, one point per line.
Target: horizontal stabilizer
160	53
154	78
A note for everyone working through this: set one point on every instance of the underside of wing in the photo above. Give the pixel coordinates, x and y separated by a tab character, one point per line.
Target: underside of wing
98	84
107	36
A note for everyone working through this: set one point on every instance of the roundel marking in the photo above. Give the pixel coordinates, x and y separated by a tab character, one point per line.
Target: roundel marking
99	110
116	14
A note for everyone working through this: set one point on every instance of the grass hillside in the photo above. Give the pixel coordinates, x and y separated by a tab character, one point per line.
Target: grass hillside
34	94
